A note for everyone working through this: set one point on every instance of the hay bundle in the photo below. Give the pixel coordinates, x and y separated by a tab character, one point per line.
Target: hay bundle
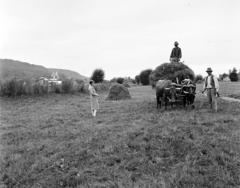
118	92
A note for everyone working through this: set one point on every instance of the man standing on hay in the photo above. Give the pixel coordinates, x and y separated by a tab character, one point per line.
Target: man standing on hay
212	86
93	98
176	54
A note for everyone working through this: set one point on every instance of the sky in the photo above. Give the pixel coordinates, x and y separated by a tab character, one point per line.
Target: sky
122	37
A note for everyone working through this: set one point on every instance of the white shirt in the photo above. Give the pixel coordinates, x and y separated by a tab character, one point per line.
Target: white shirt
209	83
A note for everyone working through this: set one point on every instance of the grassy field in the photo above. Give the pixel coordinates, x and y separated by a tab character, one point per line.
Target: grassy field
53	141
229	89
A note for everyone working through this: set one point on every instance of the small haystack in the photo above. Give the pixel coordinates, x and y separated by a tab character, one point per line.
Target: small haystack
118	92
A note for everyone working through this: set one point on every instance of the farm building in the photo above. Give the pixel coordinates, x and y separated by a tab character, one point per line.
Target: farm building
226	79
50	84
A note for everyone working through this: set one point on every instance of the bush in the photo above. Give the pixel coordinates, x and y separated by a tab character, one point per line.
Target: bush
198	78
133	81
67	86
98	75
113	80
171	71
36	89
57	89
8	88
120	80
233	75
80	86
12	88
144	76
137	79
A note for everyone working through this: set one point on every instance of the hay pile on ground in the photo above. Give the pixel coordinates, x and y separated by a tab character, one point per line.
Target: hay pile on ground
118	92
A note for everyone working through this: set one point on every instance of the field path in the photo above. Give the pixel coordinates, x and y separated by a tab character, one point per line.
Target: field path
230	99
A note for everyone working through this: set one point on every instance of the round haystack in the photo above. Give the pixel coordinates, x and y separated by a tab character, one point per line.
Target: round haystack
118	92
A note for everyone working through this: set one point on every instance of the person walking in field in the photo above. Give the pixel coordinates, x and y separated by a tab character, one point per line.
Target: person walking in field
176	53
212	86
93	98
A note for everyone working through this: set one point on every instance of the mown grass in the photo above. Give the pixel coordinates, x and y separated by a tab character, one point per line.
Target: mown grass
54	142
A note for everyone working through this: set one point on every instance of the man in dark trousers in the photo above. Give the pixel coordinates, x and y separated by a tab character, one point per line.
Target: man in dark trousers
176	54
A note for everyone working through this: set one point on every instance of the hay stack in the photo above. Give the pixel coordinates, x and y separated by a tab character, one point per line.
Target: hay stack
118	92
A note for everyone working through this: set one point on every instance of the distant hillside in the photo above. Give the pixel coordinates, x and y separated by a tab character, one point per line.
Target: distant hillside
22	70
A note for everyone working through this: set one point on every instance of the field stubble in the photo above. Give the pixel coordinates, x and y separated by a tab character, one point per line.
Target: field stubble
54	142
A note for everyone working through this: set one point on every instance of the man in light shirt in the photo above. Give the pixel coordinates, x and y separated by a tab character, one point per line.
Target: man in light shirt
212	86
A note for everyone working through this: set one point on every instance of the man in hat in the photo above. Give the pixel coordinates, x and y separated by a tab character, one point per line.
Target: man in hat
176	54
212	86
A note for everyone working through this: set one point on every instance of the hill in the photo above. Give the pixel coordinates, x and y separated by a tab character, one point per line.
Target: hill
22	70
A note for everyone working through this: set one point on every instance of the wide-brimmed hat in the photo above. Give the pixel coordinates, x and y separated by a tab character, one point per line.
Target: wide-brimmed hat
175	43
209	69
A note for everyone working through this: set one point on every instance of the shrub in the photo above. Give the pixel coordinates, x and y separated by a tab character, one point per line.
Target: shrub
67	86
198	78
171	71
12	88
133	81
144	76
120	80
57	89
113	80
98	75
137	79
233	75
80	86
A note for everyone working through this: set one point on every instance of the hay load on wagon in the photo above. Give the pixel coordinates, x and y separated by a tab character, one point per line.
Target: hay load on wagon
174	81
118	92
